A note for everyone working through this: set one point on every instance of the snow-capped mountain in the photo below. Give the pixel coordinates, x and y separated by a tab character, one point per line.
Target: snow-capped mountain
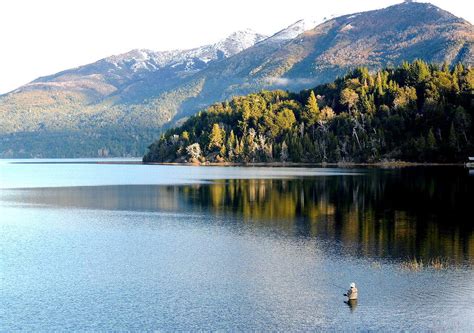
142	73
293	30
122	102
186	60
237	42
121	74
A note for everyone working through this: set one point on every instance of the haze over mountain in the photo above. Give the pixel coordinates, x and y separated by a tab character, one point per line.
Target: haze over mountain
118	105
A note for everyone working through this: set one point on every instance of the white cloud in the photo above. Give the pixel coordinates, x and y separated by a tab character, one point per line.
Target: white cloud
283	81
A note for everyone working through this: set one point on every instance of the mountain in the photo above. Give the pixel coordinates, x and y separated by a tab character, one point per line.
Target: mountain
124	76
374	39
106	107
119	104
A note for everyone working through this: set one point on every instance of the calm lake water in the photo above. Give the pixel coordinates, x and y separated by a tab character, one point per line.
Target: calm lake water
88	246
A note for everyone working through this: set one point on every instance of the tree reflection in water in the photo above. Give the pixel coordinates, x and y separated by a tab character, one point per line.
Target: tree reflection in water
404	213
400	213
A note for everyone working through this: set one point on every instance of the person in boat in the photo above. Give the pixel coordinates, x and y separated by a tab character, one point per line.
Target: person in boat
352	292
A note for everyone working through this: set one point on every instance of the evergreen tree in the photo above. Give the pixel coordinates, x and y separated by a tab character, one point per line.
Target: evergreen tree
431	140
216	139
311	113
452	139
231	141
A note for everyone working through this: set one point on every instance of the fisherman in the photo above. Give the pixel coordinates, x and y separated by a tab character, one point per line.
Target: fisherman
352	292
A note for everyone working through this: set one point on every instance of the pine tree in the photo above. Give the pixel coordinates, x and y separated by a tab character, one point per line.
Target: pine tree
223	151
216	139
231	141
419	72
238	147
311	113
452	139
431	140
379	86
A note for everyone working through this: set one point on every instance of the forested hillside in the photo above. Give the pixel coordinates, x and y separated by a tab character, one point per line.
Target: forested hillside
416	112
114	104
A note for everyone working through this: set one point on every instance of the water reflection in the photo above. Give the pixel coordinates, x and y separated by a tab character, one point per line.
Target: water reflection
423	212
352	304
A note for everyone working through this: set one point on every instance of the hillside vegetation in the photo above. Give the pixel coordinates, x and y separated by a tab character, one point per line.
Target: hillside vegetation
415	112
112	102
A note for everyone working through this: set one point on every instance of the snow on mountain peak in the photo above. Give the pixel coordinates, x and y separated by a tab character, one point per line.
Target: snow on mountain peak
192	60
293	30
187	60
239	41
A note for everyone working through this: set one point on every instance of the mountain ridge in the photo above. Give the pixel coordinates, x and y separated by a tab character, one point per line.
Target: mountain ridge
132	64
146	95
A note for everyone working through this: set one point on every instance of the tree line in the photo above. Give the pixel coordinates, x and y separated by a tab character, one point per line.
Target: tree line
416	112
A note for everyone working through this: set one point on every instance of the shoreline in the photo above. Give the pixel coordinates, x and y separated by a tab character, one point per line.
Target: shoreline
386	164
394	164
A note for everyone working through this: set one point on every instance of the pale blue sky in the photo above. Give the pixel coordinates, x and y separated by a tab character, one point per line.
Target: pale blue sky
43	37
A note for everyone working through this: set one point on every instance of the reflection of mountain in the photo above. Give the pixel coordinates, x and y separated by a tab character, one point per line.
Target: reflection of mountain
122	197
401	213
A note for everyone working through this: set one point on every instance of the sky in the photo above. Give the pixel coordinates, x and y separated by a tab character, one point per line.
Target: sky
42	37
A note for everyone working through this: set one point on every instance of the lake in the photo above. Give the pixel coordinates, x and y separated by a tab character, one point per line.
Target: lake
125	246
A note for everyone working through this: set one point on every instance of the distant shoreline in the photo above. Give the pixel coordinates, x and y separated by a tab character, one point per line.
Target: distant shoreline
389	164
394	164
